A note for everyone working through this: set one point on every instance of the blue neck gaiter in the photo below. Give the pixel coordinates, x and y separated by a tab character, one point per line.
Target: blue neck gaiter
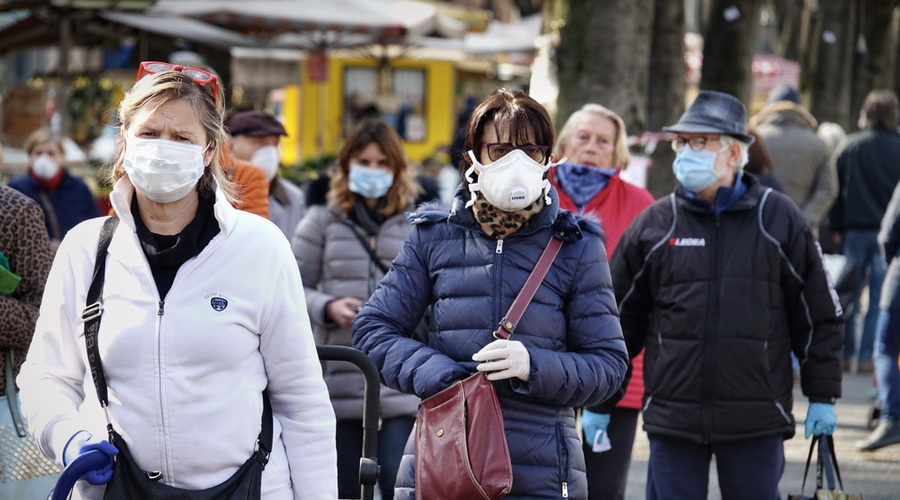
581	183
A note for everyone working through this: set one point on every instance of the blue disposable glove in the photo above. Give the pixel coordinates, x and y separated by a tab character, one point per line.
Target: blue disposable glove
821	419
591	423
84	441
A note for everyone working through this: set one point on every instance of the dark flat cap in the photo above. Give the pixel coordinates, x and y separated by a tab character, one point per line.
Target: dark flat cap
255	124
717	113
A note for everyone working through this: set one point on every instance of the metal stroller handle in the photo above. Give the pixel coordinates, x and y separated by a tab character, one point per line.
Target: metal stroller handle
369	469
88	461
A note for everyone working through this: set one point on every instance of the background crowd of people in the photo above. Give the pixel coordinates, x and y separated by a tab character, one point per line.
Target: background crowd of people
696	311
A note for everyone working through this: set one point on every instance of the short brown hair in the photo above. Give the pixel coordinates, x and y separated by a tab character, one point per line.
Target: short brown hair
519	114
759	160
881	110
377	131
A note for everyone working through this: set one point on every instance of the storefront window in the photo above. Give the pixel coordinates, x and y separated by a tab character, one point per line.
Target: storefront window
403	106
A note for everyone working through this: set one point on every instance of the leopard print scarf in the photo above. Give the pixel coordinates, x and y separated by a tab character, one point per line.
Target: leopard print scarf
500	223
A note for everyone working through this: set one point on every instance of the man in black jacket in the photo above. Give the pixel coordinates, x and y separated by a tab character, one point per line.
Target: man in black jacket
868	166
721	281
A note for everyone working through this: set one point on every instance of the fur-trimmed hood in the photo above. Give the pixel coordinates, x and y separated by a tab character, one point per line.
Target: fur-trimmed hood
784	112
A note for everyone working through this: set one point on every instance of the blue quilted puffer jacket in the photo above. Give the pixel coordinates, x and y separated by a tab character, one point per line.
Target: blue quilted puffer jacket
571	330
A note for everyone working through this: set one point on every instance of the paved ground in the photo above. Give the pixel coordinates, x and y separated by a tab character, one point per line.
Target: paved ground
875	474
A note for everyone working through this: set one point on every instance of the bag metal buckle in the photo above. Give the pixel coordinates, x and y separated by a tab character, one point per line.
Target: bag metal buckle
261	452
92	311
505	324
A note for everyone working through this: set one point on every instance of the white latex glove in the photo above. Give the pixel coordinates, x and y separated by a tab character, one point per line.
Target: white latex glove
505	358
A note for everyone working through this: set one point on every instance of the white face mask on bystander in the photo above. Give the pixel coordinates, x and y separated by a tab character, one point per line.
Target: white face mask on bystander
164	171
45	167
266	158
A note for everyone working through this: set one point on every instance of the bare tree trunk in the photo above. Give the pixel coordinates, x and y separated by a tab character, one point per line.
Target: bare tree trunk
787	14
828	68
728	47
872	51
896	63
665	89
603	53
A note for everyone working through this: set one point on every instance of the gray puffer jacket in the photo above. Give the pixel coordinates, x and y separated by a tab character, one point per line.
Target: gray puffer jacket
334	264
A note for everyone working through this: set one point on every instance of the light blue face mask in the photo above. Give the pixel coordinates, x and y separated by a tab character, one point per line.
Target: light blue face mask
370	182
695	169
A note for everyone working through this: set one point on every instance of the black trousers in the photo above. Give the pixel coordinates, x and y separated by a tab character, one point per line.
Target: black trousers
607	472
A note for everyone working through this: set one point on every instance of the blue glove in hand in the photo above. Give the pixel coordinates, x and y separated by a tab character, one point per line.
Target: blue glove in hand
84	441
821	419
591	423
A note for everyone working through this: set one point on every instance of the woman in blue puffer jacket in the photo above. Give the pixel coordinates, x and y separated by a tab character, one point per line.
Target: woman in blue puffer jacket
469	264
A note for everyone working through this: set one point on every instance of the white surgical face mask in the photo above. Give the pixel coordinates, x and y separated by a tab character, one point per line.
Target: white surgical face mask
510	183
45	167
370	182
266	158
162	170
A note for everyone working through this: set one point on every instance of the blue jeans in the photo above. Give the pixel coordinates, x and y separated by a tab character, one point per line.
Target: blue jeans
679	469
861	248
887	373
391	441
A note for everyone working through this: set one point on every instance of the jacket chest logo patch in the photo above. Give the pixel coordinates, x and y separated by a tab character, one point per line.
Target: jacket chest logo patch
687	242
218	303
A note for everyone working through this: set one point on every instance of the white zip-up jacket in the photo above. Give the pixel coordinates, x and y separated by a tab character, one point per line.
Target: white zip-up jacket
186	376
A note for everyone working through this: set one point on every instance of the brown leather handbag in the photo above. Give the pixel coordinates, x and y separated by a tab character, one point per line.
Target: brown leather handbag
461	450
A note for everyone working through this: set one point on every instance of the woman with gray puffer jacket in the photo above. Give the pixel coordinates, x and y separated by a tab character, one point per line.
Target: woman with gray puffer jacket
336	247
468	264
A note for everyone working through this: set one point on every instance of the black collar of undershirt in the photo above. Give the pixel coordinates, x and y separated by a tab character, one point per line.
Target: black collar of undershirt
166	253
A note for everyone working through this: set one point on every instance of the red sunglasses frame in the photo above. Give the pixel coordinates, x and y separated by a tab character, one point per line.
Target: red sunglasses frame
199	76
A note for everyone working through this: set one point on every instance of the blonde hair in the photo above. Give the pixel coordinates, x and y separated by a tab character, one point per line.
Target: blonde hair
375	131
157	89
43	136
621	156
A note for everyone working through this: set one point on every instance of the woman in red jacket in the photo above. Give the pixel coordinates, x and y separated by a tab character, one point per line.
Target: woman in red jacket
594	141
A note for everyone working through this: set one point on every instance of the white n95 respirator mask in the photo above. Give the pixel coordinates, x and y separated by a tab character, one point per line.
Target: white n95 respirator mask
511	183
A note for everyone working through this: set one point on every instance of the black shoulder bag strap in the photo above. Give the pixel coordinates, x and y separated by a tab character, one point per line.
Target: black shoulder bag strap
365	245
94	309
91	317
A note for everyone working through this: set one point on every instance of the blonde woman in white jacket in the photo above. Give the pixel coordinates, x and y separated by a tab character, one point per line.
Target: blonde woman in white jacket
203	310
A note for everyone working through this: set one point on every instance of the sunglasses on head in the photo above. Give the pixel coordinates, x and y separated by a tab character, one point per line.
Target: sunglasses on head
199	76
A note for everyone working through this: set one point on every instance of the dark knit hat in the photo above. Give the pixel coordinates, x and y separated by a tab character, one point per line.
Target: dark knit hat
784	92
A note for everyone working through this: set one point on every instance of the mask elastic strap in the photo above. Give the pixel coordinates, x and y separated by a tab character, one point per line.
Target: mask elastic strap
546	183
557	163
474	187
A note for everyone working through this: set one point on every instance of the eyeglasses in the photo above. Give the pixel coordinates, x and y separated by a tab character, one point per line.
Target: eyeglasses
497	150
199	76
696	143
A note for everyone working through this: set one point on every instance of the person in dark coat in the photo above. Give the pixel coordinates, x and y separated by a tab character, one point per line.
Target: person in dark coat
721	281
468	264
868	169
65	199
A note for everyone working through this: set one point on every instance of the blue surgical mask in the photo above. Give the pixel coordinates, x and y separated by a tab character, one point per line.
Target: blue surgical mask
695	169
370	182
